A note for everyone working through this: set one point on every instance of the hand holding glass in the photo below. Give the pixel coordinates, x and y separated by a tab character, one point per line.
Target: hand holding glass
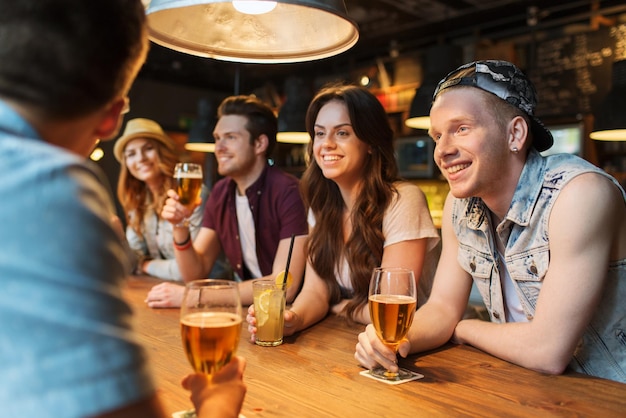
188	185
210	323
392	305
269	307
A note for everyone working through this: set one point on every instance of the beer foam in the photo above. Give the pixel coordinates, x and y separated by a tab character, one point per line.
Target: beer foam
188	175
211	319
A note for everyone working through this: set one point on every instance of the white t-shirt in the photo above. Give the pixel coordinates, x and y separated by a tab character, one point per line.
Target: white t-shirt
514	310
247	235
406	218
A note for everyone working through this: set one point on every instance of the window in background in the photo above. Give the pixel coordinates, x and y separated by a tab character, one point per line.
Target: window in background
568	139
415	157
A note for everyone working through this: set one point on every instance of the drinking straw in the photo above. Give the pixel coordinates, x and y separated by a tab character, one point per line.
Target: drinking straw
293	236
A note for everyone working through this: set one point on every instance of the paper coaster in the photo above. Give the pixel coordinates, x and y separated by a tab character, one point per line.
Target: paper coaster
412	376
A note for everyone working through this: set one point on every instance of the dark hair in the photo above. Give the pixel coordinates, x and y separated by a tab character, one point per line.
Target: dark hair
261	117
70	57
364	248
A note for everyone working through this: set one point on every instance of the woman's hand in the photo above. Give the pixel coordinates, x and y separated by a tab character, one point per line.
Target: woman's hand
293	323
251	320
165	295
173	211
221	397
291	326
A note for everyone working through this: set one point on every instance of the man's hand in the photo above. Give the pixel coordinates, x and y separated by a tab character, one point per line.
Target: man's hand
173	211
165	295
221	397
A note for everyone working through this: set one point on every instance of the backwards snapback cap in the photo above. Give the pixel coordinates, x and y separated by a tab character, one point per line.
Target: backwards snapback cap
507	82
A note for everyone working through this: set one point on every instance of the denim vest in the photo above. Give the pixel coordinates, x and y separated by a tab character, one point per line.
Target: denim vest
602	350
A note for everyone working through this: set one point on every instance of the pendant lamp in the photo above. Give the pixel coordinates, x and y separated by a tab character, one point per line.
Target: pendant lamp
201	132
440	60
293	31
610	119
292	113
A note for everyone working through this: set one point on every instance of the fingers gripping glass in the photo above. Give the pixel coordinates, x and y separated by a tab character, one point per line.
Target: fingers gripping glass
392	304
188	186
210	323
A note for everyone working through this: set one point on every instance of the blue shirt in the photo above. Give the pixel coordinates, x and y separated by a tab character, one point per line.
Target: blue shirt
602	351
66	346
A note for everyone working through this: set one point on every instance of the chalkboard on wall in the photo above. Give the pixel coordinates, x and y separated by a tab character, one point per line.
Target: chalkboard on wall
572	74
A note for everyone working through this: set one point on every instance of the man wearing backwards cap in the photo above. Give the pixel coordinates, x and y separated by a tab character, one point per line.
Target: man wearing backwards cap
543	238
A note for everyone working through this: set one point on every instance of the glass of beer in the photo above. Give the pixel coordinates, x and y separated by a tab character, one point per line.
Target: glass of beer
188	185
210	323
392	303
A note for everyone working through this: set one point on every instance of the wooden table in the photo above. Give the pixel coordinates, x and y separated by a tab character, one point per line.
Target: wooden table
314	374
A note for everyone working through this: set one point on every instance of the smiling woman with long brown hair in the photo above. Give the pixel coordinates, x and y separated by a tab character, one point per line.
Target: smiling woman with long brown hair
361	214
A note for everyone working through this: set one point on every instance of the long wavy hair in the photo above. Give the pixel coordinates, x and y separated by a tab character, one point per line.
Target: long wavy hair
136	197
363	249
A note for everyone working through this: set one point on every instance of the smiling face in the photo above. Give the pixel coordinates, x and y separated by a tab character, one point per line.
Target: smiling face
471	149
141	157
339	153
234	153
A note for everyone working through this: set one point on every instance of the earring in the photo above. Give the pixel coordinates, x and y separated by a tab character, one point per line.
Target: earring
514	150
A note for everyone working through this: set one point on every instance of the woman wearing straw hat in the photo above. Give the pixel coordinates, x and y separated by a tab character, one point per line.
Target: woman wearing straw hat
147	157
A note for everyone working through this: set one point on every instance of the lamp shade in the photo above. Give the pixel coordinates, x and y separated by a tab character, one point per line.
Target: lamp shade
420	106
292	114
440	60
294	31
610	118
199	146
201	132
293	136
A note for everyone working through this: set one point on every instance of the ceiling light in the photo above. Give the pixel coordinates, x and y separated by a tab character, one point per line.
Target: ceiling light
254	7
293	137
439	61
97	154
200	137
610	118
295	31
200	146
419	113
292	113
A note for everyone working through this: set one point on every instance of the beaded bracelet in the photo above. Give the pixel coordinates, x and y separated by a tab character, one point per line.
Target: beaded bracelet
183	245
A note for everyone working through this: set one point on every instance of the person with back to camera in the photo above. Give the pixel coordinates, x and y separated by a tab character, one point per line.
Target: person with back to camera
67	349
147	157
250	215
543	238
361	214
